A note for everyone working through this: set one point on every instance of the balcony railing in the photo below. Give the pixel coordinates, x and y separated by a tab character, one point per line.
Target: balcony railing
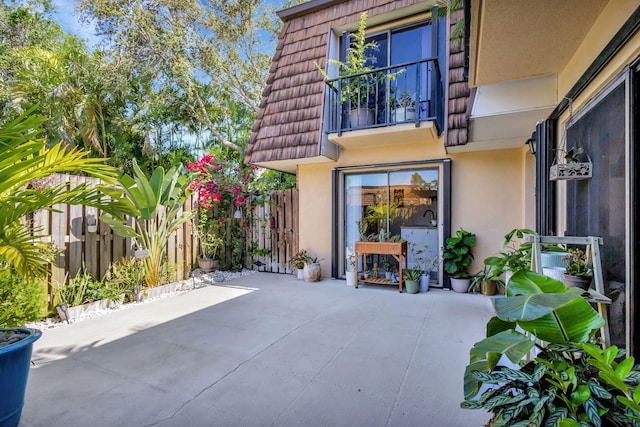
406	93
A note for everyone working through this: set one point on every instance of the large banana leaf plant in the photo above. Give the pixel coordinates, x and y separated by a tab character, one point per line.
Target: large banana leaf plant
568	380
156	203
24	160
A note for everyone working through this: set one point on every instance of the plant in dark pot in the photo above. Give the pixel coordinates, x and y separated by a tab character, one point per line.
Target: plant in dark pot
457	258
539	366
26	166
578	273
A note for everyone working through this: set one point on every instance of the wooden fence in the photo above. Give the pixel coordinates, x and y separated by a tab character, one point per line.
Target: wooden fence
270	237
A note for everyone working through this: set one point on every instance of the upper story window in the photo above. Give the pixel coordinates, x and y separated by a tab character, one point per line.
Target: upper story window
396	46
405	85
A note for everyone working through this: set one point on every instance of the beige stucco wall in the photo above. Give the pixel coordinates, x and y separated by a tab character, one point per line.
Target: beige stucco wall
492	193
606	26
613	17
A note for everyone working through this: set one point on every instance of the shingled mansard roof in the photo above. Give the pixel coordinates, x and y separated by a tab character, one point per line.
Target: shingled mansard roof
458	103
289	120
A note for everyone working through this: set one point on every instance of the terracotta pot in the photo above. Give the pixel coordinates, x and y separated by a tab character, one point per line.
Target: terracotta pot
208	264
311	272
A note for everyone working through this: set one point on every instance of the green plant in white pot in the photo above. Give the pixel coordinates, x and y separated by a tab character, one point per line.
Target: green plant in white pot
457	258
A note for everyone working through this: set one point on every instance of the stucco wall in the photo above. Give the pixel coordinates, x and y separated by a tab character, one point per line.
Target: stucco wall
606	26
491	194
613	17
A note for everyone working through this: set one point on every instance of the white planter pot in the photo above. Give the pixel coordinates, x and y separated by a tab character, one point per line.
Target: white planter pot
300	274
424	283
460	285
403	114
351	278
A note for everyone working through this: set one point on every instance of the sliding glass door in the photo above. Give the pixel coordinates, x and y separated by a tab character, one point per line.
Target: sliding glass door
402	203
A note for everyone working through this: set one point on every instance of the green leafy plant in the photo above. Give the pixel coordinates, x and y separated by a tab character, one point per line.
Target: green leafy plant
422	260
576	263
457	254
25	161
413	274
299	259
21	299
125	275
515	253
156	202
359	88
570	382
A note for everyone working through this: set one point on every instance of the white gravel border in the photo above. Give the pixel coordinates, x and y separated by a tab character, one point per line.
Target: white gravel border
197	280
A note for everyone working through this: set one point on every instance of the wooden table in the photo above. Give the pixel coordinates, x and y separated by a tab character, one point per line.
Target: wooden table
397	250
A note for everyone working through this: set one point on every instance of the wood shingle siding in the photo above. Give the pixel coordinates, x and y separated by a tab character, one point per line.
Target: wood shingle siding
289	120
458	104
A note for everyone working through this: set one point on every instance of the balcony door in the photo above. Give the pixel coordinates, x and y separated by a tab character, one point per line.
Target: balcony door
407	93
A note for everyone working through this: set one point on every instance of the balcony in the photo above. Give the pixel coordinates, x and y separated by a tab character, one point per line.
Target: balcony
404	98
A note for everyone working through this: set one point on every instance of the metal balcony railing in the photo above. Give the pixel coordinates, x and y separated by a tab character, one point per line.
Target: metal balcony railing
405	93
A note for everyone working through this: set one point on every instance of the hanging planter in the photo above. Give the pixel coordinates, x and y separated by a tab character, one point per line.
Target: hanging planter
575	163
571	171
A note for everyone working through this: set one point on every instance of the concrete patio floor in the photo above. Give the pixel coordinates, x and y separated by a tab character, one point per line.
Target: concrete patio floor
265	349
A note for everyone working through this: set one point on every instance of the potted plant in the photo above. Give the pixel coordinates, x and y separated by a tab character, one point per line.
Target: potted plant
515	254
298	261
405	107
311	270
567	381
457	258
358	87
412	280
426	265
209	245
484	283
351	269
578	273
386	263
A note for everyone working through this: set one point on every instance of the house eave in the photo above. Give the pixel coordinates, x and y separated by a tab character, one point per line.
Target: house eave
305	8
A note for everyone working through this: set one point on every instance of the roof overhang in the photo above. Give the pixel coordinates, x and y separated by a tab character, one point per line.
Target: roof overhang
291	165
504	115
513	40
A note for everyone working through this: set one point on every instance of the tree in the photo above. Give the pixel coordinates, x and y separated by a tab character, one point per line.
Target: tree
180	49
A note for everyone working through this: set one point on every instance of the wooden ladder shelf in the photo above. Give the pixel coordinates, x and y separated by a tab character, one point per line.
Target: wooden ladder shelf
592	245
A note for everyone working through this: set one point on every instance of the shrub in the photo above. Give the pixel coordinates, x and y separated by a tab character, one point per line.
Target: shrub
21	300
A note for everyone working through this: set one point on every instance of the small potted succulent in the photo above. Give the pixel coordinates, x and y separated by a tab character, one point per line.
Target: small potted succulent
578	273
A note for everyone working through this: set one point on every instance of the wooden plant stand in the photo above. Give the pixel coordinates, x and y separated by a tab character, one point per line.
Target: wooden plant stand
397	250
